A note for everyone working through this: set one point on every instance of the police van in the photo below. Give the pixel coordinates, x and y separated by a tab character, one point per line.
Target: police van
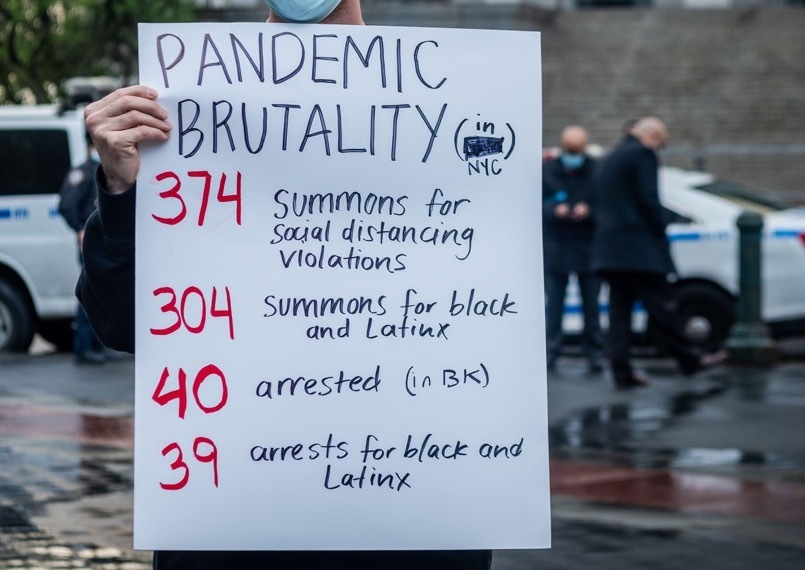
38	251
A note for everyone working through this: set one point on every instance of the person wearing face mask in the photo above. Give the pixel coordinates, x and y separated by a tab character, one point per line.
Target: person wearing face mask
567	238
118	123
632	253
77	200
309	11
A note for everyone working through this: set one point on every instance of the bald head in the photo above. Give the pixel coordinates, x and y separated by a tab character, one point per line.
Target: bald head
651	131
574	139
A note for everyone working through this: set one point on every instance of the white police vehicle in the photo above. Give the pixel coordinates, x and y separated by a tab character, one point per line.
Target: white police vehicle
704	243
38	251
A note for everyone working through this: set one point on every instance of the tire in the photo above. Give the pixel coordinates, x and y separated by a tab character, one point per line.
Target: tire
706	314
59	333
17	320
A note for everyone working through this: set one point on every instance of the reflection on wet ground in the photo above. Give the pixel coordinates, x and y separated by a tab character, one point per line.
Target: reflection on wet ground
65	504
684	492
616	432
66	425
606	453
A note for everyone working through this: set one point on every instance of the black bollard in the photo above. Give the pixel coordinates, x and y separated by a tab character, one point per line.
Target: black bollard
749	341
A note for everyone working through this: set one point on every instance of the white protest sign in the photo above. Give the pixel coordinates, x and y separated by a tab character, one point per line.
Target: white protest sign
339	291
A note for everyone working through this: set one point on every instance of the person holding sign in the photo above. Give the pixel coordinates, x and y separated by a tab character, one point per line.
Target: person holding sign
118	123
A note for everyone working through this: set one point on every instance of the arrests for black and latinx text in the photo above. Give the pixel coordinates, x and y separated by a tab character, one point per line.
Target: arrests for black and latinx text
419	318
379	460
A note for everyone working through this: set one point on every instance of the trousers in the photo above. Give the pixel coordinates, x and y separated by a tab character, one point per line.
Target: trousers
654	290
555	290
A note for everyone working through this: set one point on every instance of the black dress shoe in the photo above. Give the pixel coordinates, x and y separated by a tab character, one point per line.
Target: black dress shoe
633	381
713	359
704	362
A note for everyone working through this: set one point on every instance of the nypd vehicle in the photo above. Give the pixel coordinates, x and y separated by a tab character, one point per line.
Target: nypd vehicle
38	251
704	243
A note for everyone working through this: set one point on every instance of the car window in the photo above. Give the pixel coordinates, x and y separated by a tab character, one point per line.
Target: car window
33	161
742	197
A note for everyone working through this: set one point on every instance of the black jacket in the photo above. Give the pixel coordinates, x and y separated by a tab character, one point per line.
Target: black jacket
566	243
630	221
77	198
106	285
106	290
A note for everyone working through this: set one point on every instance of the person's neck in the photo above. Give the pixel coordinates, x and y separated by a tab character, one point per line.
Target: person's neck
347	12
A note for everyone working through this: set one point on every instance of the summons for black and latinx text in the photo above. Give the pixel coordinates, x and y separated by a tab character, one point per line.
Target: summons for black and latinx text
380	464
416	315
192	310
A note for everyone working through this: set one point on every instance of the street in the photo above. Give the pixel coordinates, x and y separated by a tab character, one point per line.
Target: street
701	473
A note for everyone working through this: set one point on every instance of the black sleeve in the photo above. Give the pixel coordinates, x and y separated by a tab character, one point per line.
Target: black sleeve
69	198
589	189
106	286
647	184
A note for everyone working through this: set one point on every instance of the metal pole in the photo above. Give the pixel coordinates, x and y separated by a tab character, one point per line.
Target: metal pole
749	341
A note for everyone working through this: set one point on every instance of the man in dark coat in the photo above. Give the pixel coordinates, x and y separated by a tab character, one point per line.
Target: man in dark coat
567	237
632	253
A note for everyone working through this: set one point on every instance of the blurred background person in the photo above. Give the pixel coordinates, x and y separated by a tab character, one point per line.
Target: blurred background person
632	252
567	237
78	198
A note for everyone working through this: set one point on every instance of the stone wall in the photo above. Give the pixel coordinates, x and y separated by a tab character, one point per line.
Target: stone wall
730	83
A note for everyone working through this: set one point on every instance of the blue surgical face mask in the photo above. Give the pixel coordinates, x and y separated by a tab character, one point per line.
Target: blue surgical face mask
303	11
572	161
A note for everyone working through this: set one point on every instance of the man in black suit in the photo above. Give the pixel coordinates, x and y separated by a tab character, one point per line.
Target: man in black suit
632	253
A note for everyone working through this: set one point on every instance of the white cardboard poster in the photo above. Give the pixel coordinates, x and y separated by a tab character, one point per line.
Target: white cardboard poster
340	340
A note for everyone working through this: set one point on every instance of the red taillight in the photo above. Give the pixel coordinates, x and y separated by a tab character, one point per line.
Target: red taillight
802	238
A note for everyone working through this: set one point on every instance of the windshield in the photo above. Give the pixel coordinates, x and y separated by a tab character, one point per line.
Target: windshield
745	199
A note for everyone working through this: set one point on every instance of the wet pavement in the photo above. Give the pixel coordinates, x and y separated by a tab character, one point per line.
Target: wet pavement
688	473
66	464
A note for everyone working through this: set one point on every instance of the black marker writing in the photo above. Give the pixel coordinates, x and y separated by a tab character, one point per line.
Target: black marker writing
330	59
317	129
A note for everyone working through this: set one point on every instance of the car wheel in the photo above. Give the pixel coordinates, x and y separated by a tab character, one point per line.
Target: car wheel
16	320
706	314
59	333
